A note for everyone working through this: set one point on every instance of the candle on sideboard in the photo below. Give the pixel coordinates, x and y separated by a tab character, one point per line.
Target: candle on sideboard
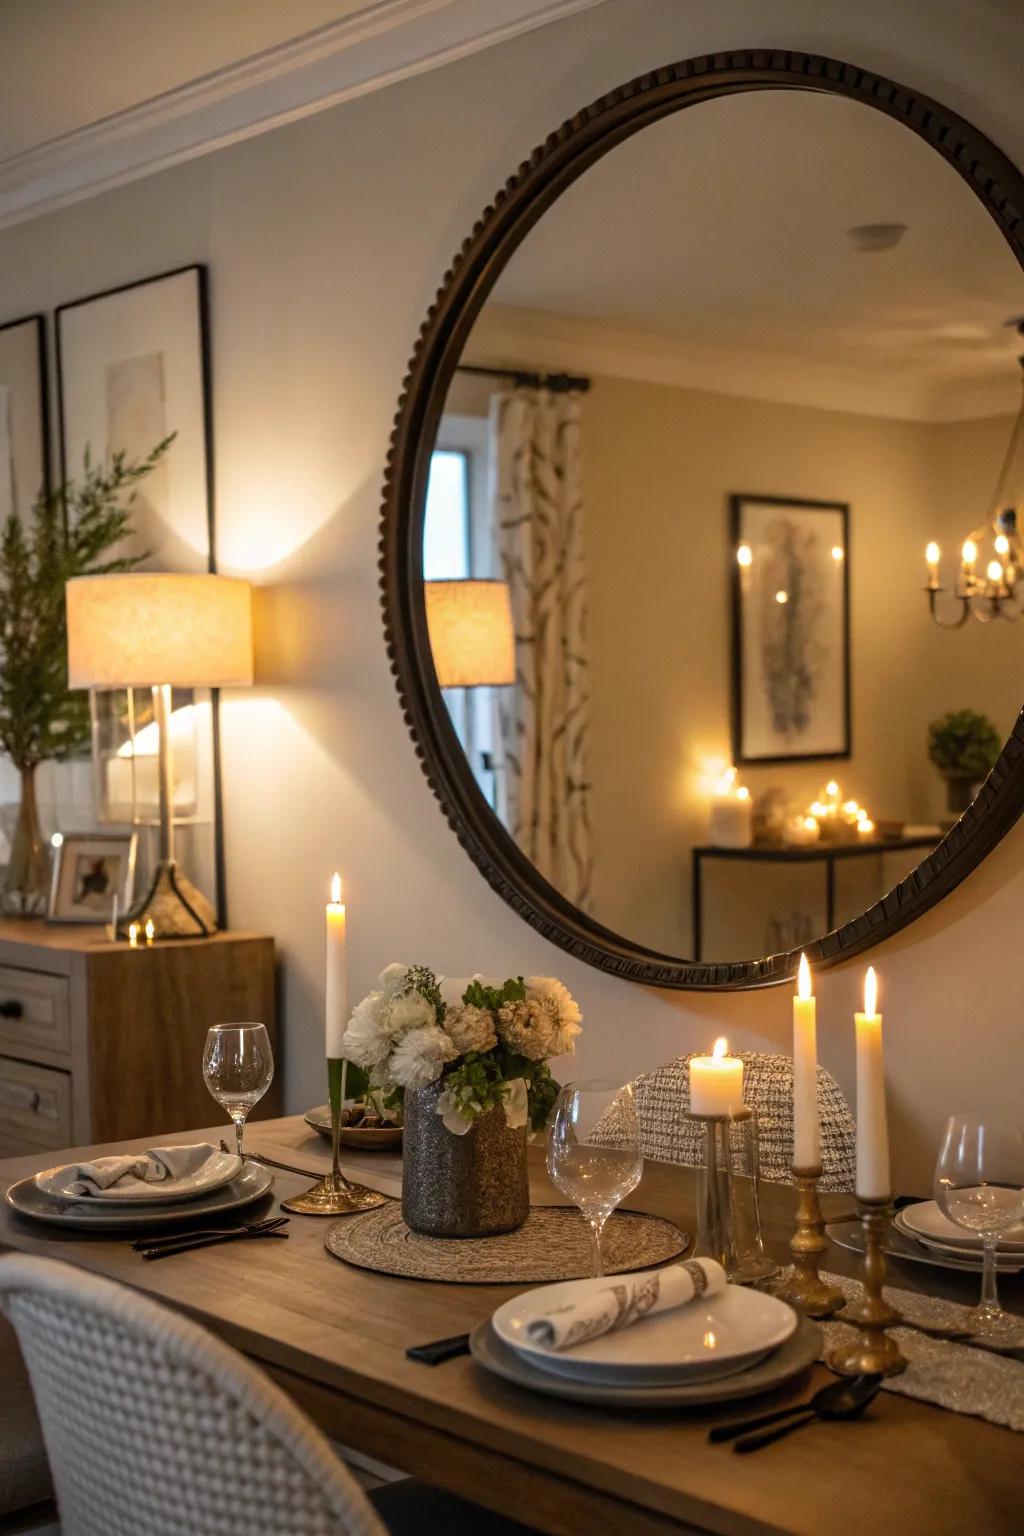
336	990
732	813
806	1150
873	1180
716	1082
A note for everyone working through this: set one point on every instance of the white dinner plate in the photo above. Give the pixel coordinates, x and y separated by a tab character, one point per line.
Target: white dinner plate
799	1352
89	1216
219	1169
900	1243
1010	1260
710	1337
927	1221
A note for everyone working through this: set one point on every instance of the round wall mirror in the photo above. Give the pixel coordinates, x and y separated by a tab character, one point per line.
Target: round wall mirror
702	574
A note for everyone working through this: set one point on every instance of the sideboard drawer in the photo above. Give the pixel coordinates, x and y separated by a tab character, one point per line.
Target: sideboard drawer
35	1107
33	1011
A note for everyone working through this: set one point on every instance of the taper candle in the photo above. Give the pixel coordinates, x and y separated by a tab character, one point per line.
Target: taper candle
873	1179
336	992
806	1151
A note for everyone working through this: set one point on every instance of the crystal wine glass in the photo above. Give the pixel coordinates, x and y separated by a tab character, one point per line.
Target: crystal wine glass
594	1153
238	1067
978	1184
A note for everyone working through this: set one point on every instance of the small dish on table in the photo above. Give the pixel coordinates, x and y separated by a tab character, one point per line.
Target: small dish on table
376	1136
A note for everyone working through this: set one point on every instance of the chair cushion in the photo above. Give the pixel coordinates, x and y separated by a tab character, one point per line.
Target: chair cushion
24	1469
411	1508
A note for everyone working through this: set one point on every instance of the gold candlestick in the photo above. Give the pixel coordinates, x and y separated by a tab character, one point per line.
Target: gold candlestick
803	1287
873	1352
334	1195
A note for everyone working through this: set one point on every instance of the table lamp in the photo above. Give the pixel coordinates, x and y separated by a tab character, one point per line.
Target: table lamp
162	630
471	635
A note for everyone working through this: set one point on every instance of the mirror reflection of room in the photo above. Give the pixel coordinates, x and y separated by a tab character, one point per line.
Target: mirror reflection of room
721	525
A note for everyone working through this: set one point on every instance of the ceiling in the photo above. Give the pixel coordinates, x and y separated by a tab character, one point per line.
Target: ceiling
721	233
65	64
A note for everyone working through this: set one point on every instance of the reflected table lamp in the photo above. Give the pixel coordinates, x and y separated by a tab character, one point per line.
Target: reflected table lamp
162	630
471	637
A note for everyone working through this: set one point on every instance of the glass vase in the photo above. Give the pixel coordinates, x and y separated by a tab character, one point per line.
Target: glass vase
27	879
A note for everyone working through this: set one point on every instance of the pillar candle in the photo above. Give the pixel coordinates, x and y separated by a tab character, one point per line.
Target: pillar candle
716	1082
806	1151
336	1001
732	814
873	1182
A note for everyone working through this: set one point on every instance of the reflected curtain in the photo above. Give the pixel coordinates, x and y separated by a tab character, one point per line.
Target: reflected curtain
538	504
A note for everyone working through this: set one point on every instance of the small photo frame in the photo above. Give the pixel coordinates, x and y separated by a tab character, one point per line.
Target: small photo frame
89	870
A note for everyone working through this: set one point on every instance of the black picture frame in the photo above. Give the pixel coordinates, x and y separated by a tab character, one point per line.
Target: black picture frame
742	684
37	322
527	194
202	298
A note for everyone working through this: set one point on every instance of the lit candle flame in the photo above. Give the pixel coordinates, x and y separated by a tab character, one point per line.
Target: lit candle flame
336	889
803	979
133	935
810	823
837	552
745	555
150	931
832	789
931	554
871	992
720	1048
743	793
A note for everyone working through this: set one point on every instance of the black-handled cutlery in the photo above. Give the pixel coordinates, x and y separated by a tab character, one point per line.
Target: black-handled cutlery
440	1350
187	1242
843	1399
269	1162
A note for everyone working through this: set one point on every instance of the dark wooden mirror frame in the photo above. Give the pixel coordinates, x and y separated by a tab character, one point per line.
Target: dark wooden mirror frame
525	197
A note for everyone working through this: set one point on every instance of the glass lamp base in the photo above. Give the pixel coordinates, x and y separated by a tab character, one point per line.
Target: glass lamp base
334	1198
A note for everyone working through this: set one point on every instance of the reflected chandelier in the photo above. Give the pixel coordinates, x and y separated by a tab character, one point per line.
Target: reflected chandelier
991	556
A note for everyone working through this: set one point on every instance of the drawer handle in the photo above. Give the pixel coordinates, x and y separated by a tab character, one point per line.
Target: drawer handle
12	1009
21	1096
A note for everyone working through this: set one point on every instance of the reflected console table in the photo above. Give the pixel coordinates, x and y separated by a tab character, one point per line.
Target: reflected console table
828	855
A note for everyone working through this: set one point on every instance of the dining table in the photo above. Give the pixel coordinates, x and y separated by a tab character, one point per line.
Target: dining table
335	1337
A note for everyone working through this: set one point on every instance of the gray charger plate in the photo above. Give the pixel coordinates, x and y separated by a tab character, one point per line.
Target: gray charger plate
850	1234
798	1352
29	1200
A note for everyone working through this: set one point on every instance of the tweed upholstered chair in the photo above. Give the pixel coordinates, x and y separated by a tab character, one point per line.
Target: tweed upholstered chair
663	1102
155	1428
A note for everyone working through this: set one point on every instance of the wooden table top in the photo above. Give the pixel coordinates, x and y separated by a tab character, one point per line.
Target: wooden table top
335	1337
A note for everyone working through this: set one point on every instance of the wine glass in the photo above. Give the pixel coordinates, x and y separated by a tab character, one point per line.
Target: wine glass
594	1153
238	1067
978	1180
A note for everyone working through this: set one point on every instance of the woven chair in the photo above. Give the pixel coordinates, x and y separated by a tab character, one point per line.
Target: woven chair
663	1103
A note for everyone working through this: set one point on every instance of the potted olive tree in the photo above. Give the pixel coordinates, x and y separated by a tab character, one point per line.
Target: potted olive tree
963	745
71	531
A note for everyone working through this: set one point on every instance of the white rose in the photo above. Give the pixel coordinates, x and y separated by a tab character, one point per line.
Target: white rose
454	1120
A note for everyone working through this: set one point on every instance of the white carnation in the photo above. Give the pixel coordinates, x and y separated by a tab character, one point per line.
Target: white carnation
420	1056
471	1028
409	1010
366	1041
394	979
560	1007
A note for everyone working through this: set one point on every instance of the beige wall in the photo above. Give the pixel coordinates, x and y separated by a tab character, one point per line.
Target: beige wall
326	242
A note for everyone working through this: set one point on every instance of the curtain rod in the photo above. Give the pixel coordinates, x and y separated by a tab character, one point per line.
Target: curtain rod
553	381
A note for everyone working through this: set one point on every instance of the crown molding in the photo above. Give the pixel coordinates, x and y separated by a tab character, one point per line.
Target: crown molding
371	48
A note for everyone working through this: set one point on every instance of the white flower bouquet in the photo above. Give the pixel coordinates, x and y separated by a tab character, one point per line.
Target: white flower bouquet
491	1047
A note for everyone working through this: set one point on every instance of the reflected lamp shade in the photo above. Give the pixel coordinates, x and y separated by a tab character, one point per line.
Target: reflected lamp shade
159	627
471	636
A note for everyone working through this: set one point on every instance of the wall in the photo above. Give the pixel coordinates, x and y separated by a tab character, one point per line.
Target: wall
326	241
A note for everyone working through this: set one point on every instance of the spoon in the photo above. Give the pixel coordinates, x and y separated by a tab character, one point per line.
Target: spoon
836	1400
861	1391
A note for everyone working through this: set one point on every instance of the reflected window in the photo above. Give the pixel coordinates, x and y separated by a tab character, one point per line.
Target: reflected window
446	551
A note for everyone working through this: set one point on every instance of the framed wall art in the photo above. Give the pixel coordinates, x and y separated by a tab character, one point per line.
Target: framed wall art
89	870
24	412
791	629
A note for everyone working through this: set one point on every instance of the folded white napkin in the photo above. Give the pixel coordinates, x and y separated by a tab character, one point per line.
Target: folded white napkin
602	1306
124	1174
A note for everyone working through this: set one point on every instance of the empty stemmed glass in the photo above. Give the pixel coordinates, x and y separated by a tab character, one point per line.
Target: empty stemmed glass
594	1153
238	1067
978	1184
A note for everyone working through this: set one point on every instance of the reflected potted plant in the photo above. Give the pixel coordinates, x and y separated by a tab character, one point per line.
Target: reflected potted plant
964	746
473	1081
70	532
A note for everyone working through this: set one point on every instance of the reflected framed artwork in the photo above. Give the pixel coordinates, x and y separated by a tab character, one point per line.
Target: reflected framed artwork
791	629
89	870
24	430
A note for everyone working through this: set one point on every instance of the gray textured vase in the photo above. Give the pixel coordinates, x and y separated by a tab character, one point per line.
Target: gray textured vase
461	1186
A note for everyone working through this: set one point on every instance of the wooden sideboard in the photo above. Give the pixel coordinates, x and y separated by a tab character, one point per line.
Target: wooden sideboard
99	1041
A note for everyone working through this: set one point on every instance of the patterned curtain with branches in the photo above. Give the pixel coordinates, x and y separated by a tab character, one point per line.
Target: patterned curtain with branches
536	461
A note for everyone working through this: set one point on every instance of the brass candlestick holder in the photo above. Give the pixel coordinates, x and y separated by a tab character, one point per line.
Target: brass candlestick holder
803	1287
334	1195
873	1352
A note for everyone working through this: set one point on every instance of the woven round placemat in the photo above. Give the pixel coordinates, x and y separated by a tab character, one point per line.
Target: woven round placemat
552	1245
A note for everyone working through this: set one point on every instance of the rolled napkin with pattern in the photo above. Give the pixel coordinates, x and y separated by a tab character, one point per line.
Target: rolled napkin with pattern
604	1306
125	1173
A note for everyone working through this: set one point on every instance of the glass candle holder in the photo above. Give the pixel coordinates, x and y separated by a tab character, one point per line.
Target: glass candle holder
729	1206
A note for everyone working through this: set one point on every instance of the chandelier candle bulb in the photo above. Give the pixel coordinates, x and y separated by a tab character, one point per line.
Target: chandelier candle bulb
931	556
336	991
716	1083
806	1152
873	1179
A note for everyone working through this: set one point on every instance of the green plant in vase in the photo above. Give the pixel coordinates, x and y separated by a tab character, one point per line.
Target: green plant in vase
70	532
964	746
